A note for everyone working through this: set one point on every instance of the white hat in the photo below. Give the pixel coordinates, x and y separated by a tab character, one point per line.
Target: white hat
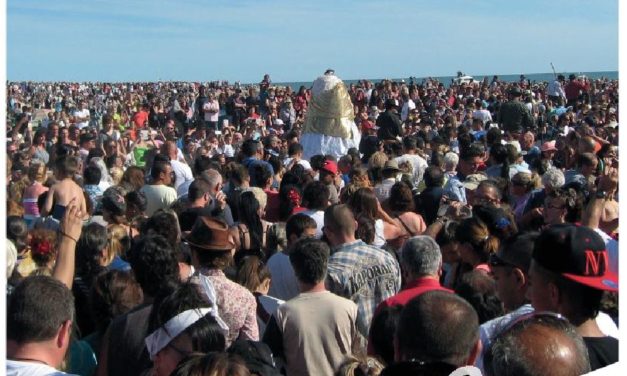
516	145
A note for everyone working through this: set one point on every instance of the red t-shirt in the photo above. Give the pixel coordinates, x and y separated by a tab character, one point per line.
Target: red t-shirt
140	118
412	290
572	89
272	206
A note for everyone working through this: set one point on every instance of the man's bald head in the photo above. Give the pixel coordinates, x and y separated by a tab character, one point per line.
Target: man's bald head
540	345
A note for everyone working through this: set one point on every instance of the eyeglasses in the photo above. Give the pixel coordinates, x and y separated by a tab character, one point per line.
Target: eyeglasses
479	200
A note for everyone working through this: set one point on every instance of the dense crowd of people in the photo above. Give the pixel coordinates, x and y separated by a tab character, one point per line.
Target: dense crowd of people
177	228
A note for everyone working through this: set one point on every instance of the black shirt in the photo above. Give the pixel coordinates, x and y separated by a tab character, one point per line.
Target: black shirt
390	125
602	351
127	353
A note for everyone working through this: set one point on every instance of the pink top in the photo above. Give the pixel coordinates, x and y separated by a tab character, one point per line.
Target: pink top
483	268
31	195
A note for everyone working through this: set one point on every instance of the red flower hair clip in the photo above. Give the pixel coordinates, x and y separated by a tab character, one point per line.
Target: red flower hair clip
294	197
42	248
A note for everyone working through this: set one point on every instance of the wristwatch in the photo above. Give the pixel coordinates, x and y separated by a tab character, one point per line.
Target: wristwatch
601	195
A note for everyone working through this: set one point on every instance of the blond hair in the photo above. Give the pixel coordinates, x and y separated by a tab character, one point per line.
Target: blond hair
37	172
360	366
116	237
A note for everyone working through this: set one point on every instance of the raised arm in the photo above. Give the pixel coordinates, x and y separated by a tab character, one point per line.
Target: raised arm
69	231
608	183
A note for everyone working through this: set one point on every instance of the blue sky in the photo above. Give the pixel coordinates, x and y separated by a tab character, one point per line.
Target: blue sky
200	40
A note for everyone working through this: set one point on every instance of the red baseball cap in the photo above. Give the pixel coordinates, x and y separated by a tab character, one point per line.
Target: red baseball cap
330	166
577	253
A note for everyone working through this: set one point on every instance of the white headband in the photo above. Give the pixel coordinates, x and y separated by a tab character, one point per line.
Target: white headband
161	337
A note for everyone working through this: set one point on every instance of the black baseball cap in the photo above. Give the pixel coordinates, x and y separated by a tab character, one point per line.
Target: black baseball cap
577	253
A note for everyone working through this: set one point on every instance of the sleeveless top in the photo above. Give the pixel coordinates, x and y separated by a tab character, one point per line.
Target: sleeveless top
244	236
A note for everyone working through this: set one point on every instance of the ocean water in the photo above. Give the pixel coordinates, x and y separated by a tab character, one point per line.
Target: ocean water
446	80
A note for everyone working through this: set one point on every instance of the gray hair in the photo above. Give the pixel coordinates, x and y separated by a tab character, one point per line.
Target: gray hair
554	178
512	354
421	256
451	160
212	177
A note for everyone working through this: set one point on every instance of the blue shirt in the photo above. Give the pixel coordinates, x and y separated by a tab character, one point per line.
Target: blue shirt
455	189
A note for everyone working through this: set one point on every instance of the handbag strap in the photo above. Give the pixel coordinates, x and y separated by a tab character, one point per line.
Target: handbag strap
410	232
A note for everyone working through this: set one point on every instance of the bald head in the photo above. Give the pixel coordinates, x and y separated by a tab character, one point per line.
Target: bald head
541	345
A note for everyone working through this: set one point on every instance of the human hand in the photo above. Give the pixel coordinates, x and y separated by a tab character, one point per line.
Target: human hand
608	182
220	200
537	212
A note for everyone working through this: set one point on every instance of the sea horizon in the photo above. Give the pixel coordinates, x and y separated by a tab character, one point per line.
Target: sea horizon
295	85
533	77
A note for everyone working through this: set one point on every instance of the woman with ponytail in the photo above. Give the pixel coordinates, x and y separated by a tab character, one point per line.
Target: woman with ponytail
253	274
476	243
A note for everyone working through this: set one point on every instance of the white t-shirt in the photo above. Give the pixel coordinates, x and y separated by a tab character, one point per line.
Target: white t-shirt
183	173
379	235
317	216
158	197
18	368
407	106
82	113
418	163
382	190
302	162
483	115
227	150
